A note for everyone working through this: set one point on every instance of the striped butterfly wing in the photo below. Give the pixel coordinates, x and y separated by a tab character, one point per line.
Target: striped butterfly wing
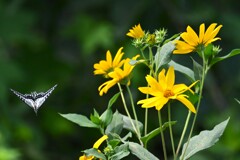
26	98
34	100
41	97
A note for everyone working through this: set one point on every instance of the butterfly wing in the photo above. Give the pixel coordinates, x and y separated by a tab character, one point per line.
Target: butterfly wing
41	97
26	98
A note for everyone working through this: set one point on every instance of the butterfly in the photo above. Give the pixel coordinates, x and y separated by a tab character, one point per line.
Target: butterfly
34	99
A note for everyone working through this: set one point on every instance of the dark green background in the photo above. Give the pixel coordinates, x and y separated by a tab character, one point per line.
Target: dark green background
48	42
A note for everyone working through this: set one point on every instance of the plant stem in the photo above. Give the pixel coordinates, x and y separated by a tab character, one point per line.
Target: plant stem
170	130
128	114
183	134
204	73
146	122
147	96
133	109
162	136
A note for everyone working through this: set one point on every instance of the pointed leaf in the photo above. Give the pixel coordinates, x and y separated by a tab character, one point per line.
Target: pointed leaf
95	119
155	132
164	54
94	152
140	152
113	100
81	120
197	68
182	69
128	125
120	152
204	140
218	59
106	117
116	124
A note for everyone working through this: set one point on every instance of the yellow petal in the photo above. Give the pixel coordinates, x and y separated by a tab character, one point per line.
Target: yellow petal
106	86
187	38
192	34
162	79
86	158
152	82
211	37
170	77
183	48
186	102
118	57
151	91
109	58
201	32
209	30
157	102
100	141
179	88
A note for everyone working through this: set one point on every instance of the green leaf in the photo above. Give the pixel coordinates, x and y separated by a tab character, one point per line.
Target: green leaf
128	125
164	54
106	117
94	152
208	51
204	140
120	152
95	119
197	69
218	59
155	132
116	124
113	100
81	120
182	69
95	113
140	152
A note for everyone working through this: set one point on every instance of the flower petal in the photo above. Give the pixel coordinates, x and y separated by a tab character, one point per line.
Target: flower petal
192	34
201	32
188	38
170	77
153	83
186	102
118	57
100	141
211	37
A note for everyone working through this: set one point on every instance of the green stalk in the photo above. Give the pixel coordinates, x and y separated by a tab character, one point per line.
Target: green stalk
133	109
170	130
128	114
146	122
204	73
147	96
162	136
183	134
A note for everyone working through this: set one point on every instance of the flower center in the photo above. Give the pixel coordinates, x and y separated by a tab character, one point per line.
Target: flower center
168	93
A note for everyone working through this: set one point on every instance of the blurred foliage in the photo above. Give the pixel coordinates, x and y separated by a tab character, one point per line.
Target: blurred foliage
43	43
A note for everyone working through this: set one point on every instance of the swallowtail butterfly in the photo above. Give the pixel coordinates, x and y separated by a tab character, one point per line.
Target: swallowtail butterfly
34	99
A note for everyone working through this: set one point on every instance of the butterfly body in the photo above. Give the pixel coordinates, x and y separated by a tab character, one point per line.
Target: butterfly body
34	99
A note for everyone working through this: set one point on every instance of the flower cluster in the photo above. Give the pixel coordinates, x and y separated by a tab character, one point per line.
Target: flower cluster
118	70
144	39
160	90
164	89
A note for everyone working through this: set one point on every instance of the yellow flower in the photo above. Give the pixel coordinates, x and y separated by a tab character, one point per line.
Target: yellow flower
118	76
106	66
96	146
164	90
191	41
136	32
